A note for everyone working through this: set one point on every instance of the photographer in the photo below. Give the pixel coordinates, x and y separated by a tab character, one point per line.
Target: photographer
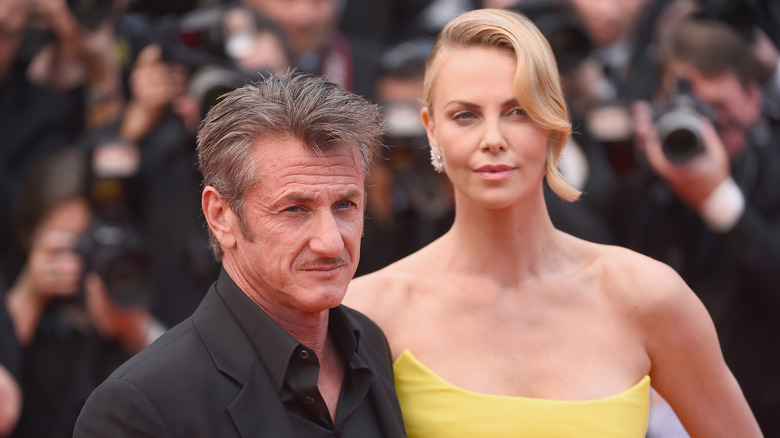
72	331
714	214
58	78
320	47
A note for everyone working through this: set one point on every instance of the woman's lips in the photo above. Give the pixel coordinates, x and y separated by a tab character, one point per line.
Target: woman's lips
495	172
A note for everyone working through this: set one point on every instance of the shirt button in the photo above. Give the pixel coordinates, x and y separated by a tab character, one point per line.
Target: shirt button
304	354
308	400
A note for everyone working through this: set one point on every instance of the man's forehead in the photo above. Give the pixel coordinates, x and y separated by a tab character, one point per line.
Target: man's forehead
283	150
287	164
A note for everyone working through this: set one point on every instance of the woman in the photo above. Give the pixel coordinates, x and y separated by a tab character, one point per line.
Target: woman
506	326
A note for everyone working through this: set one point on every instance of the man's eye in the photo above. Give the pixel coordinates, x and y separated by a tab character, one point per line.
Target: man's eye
294	209
345	205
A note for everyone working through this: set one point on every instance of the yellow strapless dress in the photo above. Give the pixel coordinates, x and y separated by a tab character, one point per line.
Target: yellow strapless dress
432	408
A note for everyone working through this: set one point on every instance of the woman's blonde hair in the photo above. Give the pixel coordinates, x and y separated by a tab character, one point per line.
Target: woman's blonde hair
537	84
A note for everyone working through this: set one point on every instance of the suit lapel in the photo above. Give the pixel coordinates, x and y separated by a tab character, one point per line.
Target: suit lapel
257	409
254	412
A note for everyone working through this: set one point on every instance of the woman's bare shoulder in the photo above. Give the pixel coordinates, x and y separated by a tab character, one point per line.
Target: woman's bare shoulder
637	280
383	291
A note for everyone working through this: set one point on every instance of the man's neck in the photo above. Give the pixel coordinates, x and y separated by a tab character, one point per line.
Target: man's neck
310	328
311	331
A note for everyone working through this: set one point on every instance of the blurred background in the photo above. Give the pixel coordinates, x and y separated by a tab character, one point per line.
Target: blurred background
103	245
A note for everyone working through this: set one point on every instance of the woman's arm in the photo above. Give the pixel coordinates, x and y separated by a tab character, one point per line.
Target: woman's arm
688	368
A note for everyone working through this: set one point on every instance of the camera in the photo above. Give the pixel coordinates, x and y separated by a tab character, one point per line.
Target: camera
209	42
91	13
679	124
116	253
113	246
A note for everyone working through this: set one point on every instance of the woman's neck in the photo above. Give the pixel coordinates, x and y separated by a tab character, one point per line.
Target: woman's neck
503	243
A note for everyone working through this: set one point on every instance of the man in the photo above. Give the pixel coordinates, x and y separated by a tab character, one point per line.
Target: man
715	217
270	352
319	47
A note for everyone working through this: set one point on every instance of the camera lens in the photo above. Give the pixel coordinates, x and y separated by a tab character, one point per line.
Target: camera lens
680	134
208	84
680	145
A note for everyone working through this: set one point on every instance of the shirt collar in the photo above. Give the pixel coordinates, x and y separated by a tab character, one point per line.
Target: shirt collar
273	344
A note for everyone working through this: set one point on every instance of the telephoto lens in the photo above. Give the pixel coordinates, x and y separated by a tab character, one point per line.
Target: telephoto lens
679	132
679	125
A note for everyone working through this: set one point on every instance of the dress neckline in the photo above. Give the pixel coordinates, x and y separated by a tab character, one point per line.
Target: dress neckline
406	356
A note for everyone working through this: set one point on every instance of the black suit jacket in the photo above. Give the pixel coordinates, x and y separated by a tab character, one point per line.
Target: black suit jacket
203	378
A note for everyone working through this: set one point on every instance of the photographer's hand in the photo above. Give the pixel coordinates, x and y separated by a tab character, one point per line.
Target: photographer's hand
692	181
154	84
129	326
79	55
52	270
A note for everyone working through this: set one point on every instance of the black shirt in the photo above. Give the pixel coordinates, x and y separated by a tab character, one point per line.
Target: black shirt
294	369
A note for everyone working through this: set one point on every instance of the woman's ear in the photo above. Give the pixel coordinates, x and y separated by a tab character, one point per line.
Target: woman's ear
220	217
427	119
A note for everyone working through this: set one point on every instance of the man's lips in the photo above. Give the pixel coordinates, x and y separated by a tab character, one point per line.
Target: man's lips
323	268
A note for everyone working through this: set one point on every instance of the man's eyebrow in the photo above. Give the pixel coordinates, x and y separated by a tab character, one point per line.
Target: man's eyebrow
353	193
303	198
296	197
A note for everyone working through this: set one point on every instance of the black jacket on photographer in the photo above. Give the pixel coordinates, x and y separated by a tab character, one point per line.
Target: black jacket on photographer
735	273
34	122
61	367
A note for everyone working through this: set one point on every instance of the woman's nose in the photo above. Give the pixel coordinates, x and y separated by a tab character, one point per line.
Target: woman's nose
493	140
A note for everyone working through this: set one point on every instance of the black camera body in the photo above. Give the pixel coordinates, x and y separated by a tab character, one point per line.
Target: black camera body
197	40
679	125
116	252
113	246
91	13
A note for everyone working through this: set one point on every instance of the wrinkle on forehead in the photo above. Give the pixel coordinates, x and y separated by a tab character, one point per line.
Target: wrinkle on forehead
328	167
294	154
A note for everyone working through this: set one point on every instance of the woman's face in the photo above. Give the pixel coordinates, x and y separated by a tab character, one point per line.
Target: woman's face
493	154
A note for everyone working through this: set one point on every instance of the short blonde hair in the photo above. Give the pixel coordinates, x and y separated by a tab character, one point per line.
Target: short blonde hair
537	83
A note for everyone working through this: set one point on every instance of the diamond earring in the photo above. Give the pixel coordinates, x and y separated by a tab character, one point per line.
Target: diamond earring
437	160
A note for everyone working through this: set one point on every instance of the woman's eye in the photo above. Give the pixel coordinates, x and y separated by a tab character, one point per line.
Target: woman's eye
463	115
519	112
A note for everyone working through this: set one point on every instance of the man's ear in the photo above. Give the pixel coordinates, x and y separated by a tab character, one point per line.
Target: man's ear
427	119
220	217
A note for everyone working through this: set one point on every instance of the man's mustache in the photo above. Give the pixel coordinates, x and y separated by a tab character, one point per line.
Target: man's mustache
324	262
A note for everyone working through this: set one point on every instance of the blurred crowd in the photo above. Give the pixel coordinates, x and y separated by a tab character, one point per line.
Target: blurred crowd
103	246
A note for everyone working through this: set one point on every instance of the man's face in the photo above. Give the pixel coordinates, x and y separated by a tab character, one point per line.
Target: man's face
301	244
608	21
308	23
737	109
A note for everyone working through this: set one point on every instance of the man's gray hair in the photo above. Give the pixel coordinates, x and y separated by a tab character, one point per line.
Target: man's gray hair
292	105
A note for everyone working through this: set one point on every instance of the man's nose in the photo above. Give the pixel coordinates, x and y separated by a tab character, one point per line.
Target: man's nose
326	237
